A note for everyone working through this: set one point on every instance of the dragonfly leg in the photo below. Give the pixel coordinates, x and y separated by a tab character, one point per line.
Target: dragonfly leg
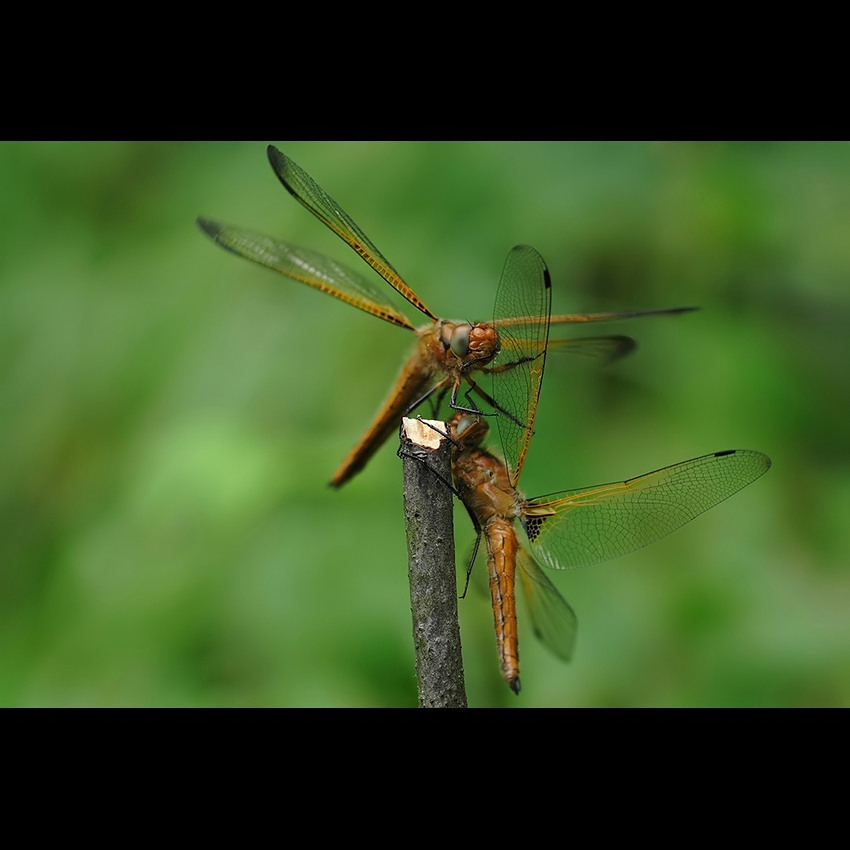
506	367
440	385
440	431
476	525
473	409
498	409
437	403
401	453
474	553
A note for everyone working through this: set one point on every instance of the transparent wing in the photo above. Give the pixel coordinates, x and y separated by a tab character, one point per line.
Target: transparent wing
579	318
311	195
305	266
523	319
604	349
580	527
525	294
552	618
618	316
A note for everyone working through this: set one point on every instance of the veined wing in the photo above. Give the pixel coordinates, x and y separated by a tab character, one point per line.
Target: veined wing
605	349
522	332
581	527
619	315
525	290
573	318
311	195
552	618
306	266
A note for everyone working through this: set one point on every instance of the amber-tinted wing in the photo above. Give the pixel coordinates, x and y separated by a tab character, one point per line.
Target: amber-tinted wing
602	349
525	297
585	318
573	318
580	527
307	267
310	194
552	618
605	349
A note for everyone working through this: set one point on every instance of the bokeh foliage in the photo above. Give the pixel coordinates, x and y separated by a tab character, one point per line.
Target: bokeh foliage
171	415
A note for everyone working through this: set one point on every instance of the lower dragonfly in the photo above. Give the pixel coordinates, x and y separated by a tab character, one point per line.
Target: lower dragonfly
569	528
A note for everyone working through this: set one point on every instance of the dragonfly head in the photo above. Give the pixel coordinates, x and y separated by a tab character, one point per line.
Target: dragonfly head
468	429
478	343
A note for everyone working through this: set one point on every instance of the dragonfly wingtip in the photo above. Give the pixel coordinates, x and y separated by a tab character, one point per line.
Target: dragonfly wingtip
283	167
209	227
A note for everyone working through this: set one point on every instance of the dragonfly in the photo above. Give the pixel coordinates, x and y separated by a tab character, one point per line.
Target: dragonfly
569	528
448	353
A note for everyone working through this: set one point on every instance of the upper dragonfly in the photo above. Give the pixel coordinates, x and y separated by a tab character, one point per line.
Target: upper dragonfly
447	353
573	527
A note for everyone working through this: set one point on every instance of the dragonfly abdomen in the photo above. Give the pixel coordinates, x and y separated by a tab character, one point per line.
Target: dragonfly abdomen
502	546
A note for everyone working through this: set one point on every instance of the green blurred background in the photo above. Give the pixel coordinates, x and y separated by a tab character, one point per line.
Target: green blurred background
171	415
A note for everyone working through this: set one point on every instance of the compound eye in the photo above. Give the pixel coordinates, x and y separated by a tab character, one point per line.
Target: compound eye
460	341
464	424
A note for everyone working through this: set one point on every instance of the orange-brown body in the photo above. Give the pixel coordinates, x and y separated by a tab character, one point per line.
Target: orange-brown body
502	546
484	487
575	527
445	353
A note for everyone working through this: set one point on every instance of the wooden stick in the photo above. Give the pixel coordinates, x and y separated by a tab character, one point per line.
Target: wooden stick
428	519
